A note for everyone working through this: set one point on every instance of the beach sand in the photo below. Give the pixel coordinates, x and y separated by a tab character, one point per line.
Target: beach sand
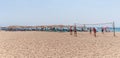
58	45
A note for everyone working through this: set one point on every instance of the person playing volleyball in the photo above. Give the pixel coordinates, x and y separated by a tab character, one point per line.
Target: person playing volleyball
94	31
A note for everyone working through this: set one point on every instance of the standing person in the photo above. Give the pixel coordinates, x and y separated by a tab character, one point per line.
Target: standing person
90	30
105	29
70	30
94	31
75	31
102	30
82	29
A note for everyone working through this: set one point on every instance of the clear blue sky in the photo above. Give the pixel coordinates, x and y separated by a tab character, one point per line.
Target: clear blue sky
41	12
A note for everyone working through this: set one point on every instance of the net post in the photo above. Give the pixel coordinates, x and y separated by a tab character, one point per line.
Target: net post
113	28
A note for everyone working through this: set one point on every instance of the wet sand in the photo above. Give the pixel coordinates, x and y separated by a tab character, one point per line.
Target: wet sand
58	45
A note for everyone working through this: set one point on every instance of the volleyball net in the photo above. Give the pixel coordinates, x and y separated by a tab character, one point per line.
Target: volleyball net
100	27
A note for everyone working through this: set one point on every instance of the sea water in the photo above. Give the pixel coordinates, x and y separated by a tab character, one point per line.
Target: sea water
117	29
111	29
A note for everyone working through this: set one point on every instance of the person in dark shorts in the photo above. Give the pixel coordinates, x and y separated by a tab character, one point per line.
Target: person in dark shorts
90	30
70	30
75	31
102	30
94	31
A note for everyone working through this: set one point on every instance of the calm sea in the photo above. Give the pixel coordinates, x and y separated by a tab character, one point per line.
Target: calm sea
117	29
111	29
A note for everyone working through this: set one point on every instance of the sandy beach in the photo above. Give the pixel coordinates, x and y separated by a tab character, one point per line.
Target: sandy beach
58	45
